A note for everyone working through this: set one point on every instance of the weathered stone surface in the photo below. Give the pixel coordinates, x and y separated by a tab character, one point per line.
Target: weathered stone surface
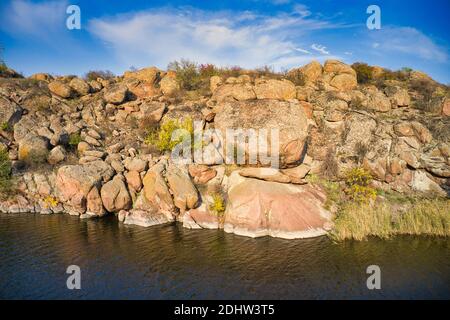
33	149
214	83
145	218
399	96
156	190
268	174
275	89
185	195
376	100
150	74
134	180
311	72
74	182
56	155
258	208
60	89
94	204
201	174
136	164
80	86
287	117
169	85
41	76
201	217
115	196
240	92
340	75
151	112
10	112
421	182
116	94
446	107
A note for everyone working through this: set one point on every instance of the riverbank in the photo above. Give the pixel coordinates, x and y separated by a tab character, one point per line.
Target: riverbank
153	147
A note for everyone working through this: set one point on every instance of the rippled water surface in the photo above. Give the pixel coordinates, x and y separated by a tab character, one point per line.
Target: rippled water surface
170	262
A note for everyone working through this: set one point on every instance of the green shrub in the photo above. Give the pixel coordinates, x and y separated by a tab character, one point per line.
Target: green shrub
296	77
5	171
217	206
95	74
357	181
74	139
188	75
5	127
364	72
162	137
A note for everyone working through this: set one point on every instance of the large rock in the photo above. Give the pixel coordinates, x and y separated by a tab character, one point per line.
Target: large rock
33	149
275	89
145	218
310	72
185	194
376	100
399	96
258	208
339	75
80	86
169	85
150	74
142	89
214	83
156	190
446	107
115	196
240	92
201	173
116	94
151	112
287	117
421	182
74	182
60	88
10	112
56	155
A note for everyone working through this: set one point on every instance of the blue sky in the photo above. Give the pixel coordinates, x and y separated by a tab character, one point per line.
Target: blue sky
117	34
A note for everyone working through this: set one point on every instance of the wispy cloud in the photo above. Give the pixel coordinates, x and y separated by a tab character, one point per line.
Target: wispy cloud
319	48
409	41
41	21
224	38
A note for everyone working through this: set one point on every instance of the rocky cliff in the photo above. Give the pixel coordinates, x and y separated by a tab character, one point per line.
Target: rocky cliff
83	148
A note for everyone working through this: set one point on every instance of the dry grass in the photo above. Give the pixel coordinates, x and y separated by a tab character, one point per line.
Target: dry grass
358	221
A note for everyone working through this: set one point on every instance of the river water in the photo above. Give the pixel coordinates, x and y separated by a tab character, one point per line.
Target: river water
169	262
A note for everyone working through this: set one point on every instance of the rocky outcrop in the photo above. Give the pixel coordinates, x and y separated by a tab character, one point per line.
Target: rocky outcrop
185	195
60	89
259	208
10	112
74	182
150	74
115	196
287	117
275	89
87	147
116	94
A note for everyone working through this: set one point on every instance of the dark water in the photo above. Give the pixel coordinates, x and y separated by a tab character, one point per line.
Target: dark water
170	262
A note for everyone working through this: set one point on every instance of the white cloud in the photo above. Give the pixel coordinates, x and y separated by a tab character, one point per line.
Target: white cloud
223	38
302	10
38	20
319	48
409	41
